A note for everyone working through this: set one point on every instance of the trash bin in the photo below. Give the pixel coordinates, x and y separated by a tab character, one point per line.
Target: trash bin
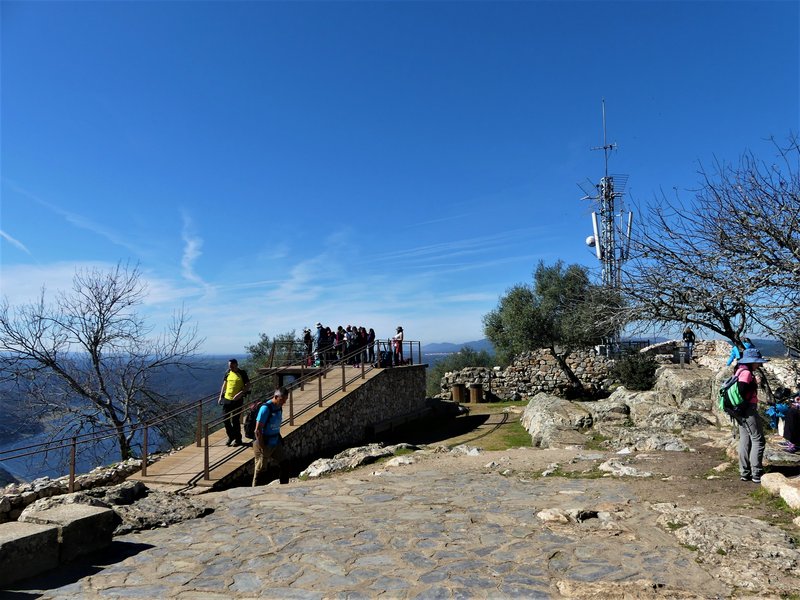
459	391
475	393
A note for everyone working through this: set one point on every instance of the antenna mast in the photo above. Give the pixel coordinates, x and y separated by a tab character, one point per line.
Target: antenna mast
612	231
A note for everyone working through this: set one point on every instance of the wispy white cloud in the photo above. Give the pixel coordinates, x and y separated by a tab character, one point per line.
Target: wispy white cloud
81	221
14	242
192	250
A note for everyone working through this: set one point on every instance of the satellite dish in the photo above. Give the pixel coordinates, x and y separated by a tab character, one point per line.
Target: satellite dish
590	241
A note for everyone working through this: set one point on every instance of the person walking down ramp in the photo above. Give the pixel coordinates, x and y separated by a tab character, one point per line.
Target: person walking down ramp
235	386
751	433
269	443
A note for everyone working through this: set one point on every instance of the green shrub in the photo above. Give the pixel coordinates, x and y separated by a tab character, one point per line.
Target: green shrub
636	371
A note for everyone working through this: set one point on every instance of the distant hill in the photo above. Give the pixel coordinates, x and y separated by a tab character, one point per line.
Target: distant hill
449	348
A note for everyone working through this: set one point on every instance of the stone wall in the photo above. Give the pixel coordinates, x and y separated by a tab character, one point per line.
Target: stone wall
392	394
16	496
531	373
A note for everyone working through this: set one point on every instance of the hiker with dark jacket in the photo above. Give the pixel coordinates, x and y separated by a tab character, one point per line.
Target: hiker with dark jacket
751	433
688	342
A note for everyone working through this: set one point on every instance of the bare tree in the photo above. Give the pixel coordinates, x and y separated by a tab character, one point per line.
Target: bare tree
88	362
726	260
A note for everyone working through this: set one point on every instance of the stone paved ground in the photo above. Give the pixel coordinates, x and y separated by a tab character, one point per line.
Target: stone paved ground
444	527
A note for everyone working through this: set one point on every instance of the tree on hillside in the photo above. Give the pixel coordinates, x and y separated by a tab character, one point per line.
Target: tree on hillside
87	362
466	357
728	260
279	349
562	311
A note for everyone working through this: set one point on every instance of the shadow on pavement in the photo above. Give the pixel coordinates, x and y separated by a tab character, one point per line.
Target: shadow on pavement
64	575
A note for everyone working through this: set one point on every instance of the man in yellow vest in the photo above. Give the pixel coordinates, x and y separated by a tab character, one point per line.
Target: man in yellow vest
235	387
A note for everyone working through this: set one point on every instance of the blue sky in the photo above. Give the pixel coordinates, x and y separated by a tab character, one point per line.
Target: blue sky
271	164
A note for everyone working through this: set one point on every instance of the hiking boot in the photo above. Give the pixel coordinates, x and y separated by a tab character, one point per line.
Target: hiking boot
744	478
756	479
229	442
237	443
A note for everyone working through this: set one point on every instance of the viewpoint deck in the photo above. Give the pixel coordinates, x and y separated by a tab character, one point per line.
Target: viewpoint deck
185	468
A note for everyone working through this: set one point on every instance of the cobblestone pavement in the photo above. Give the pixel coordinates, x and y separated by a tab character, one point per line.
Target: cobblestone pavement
444	527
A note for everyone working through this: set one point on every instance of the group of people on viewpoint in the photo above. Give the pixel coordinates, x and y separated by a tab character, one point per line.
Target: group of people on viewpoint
356	343
345	342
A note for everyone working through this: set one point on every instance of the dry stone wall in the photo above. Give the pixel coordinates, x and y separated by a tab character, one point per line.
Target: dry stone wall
532	373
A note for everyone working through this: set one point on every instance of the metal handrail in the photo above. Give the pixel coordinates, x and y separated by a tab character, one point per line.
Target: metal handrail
202	428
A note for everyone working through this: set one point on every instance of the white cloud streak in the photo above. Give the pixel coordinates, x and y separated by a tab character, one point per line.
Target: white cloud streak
14	242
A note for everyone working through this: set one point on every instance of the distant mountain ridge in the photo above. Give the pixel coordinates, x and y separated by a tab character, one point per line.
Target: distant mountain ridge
449	348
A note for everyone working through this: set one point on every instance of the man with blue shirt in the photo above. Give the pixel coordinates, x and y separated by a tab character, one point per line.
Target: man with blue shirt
268	442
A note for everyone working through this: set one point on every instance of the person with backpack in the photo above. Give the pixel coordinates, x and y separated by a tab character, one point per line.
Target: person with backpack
751	432
268	442
235	386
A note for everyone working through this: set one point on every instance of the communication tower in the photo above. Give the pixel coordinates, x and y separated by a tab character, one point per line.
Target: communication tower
611	224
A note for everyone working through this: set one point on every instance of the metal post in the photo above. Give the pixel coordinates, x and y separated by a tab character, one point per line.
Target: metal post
363	371
319	386
72	465
344	383
206	476
144	451
291	408
199	432
302	376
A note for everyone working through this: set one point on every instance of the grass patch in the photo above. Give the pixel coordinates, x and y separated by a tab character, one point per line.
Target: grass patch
597	442
673	525
772	502
721	552
691	547
403	451
507	435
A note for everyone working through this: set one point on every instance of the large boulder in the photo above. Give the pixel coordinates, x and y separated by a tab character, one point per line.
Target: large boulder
687	389
547	415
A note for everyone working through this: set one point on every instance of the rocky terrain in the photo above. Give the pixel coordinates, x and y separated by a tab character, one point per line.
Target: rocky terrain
634	496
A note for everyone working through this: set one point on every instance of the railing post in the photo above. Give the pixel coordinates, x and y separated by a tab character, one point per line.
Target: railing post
302	376
291	408
206	475
344	382
199	432
419	352
72	465
363	371
144	451
319	386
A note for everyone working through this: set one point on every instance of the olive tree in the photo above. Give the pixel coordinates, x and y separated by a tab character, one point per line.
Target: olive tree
562	311
88	361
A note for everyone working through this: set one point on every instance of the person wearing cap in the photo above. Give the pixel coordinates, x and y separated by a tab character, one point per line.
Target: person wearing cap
751	433
318	341
269	443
